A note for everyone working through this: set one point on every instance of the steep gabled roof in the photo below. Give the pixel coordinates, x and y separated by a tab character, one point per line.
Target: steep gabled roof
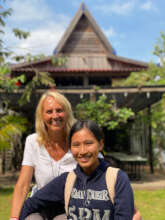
86	49
83	11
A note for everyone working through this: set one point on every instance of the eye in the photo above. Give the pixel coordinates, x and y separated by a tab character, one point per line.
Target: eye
59	110
75	144
49	111
88	142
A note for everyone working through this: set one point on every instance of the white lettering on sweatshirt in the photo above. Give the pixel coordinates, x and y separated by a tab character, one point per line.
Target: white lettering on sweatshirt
91	194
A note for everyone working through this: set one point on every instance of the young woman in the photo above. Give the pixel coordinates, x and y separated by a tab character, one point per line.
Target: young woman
89	198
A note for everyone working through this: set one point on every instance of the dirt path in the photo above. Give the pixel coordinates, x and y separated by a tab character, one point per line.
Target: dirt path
9	179
150	181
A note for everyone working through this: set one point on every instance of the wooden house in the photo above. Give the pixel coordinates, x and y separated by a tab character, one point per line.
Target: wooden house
90	60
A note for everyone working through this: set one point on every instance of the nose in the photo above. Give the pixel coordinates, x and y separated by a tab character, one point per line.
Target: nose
55	114
83	149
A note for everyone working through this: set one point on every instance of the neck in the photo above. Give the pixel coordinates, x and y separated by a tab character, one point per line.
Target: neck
56	136
57	140
89	170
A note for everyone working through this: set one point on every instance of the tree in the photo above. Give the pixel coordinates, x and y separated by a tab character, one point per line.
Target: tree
13	126
104	112
4	50
154	75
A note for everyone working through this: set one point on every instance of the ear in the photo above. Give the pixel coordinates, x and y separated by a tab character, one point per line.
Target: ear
101	145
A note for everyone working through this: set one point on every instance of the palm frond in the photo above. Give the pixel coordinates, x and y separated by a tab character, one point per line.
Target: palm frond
11	126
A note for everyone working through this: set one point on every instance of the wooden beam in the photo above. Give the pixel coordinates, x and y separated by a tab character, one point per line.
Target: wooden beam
101	91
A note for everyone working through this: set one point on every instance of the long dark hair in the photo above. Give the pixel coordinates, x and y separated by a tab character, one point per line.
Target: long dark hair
90	125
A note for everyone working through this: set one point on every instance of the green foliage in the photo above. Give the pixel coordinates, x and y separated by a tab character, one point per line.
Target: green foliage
28	57
6	82
158	123
4	13
20	34
159	49
11	126
154	75
4	50
104	112
59	61
40	78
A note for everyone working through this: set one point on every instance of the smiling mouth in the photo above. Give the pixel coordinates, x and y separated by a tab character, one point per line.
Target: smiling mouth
55	122
84	159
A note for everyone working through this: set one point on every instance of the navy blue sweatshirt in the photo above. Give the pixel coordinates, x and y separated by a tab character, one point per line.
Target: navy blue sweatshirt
89	198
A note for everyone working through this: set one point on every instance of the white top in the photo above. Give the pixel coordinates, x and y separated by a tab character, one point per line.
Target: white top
45	167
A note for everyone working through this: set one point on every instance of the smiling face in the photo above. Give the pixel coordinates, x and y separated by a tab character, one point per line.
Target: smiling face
53	114
85	148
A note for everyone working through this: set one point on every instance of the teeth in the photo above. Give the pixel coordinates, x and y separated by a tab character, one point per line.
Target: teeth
55	122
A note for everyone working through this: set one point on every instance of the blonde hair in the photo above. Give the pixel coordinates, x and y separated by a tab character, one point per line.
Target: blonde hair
39	123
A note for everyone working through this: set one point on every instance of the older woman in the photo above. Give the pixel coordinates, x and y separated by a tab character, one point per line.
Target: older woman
46	152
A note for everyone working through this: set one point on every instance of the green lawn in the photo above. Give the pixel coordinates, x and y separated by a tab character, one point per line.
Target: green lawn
5	199
150	203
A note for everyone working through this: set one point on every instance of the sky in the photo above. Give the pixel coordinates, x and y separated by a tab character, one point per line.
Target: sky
132	26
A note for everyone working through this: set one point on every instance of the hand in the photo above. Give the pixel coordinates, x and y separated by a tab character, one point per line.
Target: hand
137	215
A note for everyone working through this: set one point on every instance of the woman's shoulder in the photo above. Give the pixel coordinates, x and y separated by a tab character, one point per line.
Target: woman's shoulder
32	138
122	179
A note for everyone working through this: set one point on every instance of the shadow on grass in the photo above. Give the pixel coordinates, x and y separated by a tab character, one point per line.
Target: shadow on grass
6	190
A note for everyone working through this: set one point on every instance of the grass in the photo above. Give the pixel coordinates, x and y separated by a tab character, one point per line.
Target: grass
150	203
5	199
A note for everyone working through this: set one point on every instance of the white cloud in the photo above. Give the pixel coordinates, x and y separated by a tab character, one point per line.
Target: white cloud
148	6
126	7
42	40
118	7
45	26
28	11
110	32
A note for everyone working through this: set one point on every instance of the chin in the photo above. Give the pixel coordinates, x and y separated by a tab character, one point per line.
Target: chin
55	128
85	165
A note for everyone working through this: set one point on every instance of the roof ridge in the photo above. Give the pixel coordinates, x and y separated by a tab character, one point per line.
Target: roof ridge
83	10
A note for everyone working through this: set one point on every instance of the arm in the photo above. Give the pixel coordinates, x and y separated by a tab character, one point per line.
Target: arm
124	200
137	215
25	177
21	189
47	196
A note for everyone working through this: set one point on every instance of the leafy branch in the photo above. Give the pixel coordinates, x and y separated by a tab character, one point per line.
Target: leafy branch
39	79
104	112
11	126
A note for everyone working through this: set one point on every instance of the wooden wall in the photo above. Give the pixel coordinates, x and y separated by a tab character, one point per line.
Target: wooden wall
84	40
